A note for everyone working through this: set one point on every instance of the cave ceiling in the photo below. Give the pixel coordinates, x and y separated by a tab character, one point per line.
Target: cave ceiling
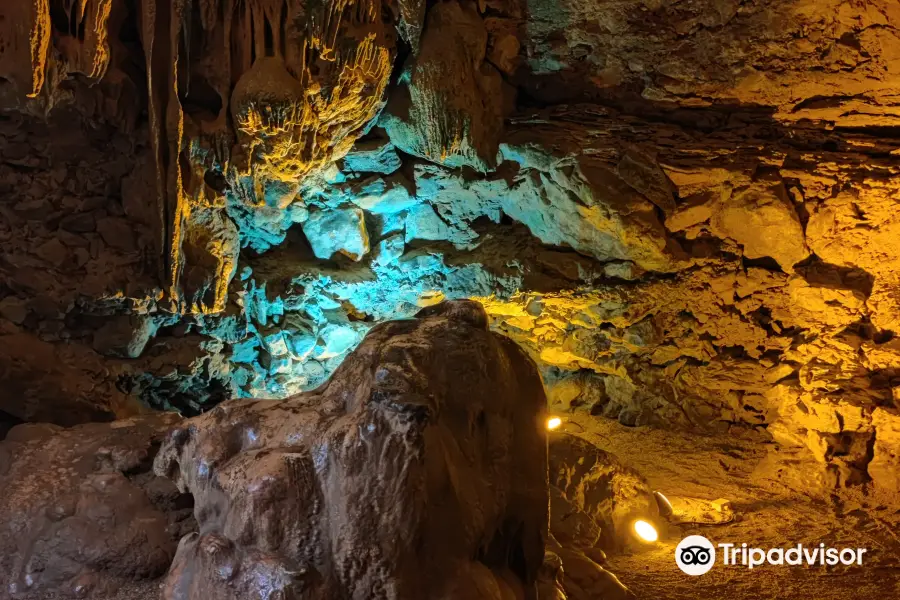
686	212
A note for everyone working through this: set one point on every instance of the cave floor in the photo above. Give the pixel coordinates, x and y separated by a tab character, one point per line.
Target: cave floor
772	510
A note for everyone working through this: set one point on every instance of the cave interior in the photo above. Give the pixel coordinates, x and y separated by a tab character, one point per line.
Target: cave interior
448	299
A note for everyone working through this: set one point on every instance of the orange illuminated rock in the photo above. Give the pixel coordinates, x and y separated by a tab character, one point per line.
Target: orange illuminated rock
762	220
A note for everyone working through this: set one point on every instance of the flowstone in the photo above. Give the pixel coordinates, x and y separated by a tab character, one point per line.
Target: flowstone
414	472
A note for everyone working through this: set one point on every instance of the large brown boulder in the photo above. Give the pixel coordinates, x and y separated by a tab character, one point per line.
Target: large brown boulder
416	471
81	513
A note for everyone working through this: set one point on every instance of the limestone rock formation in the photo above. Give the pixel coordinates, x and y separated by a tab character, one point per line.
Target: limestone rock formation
430	435
762	219
595	499
264	65
34	372
450	105
81	513
572	574
594	502
685	212
800	60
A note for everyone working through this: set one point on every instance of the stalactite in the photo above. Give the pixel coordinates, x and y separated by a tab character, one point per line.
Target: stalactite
177	201
155	111
331	62
209	12
25	33
40	44
86	45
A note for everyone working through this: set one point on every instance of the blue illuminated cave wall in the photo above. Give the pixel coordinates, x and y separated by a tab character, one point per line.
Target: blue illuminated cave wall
666	254
378	236
665	257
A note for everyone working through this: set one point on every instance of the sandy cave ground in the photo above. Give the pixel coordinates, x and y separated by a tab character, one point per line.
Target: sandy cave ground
772	511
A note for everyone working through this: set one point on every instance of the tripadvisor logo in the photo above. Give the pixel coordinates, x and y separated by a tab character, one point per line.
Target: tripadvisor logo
696	555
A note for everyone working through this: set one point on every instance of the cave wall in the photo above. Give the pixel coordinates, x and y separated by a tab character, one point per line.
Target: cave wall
685	212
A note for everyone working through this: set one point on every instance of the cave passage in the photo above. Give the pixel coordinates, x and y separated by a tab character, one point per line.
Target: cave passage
454	300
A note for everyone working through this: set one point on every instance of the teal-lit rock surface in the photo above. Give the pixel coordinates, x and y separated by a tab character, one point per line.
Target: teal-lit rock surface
340	230
676	237
372	156
379	234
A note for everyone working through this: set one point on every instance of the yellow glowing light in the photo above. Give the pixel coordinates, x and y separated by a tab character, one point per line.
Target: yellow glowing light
553	422
645	531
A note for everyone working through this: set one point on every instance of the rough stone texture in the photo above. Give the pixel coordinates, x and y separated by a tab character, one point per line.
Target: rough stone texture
429	435
76	300
572	574
344	231
107	527
594	498
762	220
450	106
885	459
59	384
827	61
375	155
264	64
686	212
594	501
80	512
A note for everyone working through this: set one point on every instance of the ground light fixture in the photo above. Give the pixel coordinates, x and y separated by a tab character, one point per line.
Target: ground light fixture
646	531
